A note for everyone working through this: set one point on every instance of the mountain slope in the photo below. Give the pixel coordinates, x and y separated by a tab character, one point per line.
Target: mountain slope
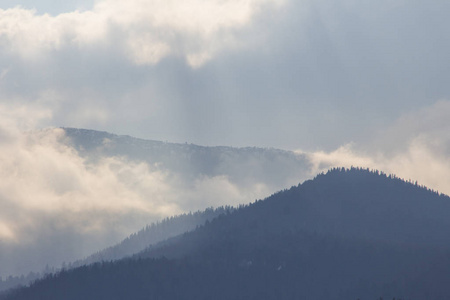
344	235
351	204
153	234
136	242
274	167
116	184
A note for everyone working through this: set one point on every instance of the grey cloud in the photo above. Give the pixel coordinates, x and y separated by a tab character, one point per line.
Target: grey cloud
320	73
320	80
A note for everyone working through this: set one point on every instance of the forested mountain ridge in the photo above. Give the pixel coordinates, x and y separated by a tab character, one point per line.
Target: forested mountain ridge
164	178
136	242
354	203
346	234
154	233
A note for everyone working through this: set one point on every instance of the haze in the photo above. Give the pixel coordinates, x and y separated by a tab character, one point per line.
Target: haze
344	83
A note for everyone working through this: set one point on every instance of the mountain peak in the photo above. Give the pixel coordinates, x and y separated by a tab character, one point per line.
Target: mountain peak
346	234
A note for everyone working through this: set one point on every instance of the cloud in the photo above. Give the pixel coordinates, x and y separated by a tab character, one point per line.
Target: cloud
322	72
285	74
429	124
145	31
52	199
221	190
50	196
415	147
41	175
418	163
57	205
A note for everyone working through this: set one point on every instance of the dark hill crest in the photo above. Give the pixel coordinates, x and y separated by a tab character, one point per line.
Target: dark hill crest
346	234
361	173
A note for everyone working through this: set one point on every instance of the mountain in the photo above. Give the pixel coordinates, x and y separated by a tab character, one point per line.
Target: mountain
346	234
106	186
153	234
136	242
273	167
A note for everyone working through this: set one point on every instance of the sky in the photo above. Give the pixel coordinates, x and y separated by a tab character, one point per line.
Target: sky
344	82
310	75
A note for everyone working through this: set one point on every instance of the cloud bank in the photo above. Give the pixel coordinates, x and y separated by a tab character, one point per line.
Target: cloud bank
144	31
416	147
324	73
58	206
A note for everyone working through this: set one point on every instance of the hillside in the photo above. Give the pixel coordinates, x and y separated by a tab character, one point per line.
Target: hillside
346	234
152	234
274	167
136	242
116	185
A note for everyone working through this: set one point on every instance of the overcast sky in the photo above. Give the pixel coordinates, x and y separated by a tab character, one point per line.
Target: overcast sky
310	75
349	82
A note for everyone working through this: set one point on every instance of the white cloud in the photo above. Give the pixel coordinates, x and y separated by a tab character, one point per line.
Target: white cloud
51	197
48	191
42	176
416	147
221	190
6	232
146	30
18	116
418	163
430	124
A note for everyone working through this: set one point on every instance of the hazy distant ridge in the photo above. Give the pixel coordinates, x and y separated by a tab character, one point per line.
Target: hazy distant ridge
271	166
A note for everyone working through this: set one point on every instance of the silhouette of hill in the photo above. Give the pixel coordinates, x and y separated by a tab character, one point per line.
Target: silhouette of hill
136	242
191	177
152	234
347	234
